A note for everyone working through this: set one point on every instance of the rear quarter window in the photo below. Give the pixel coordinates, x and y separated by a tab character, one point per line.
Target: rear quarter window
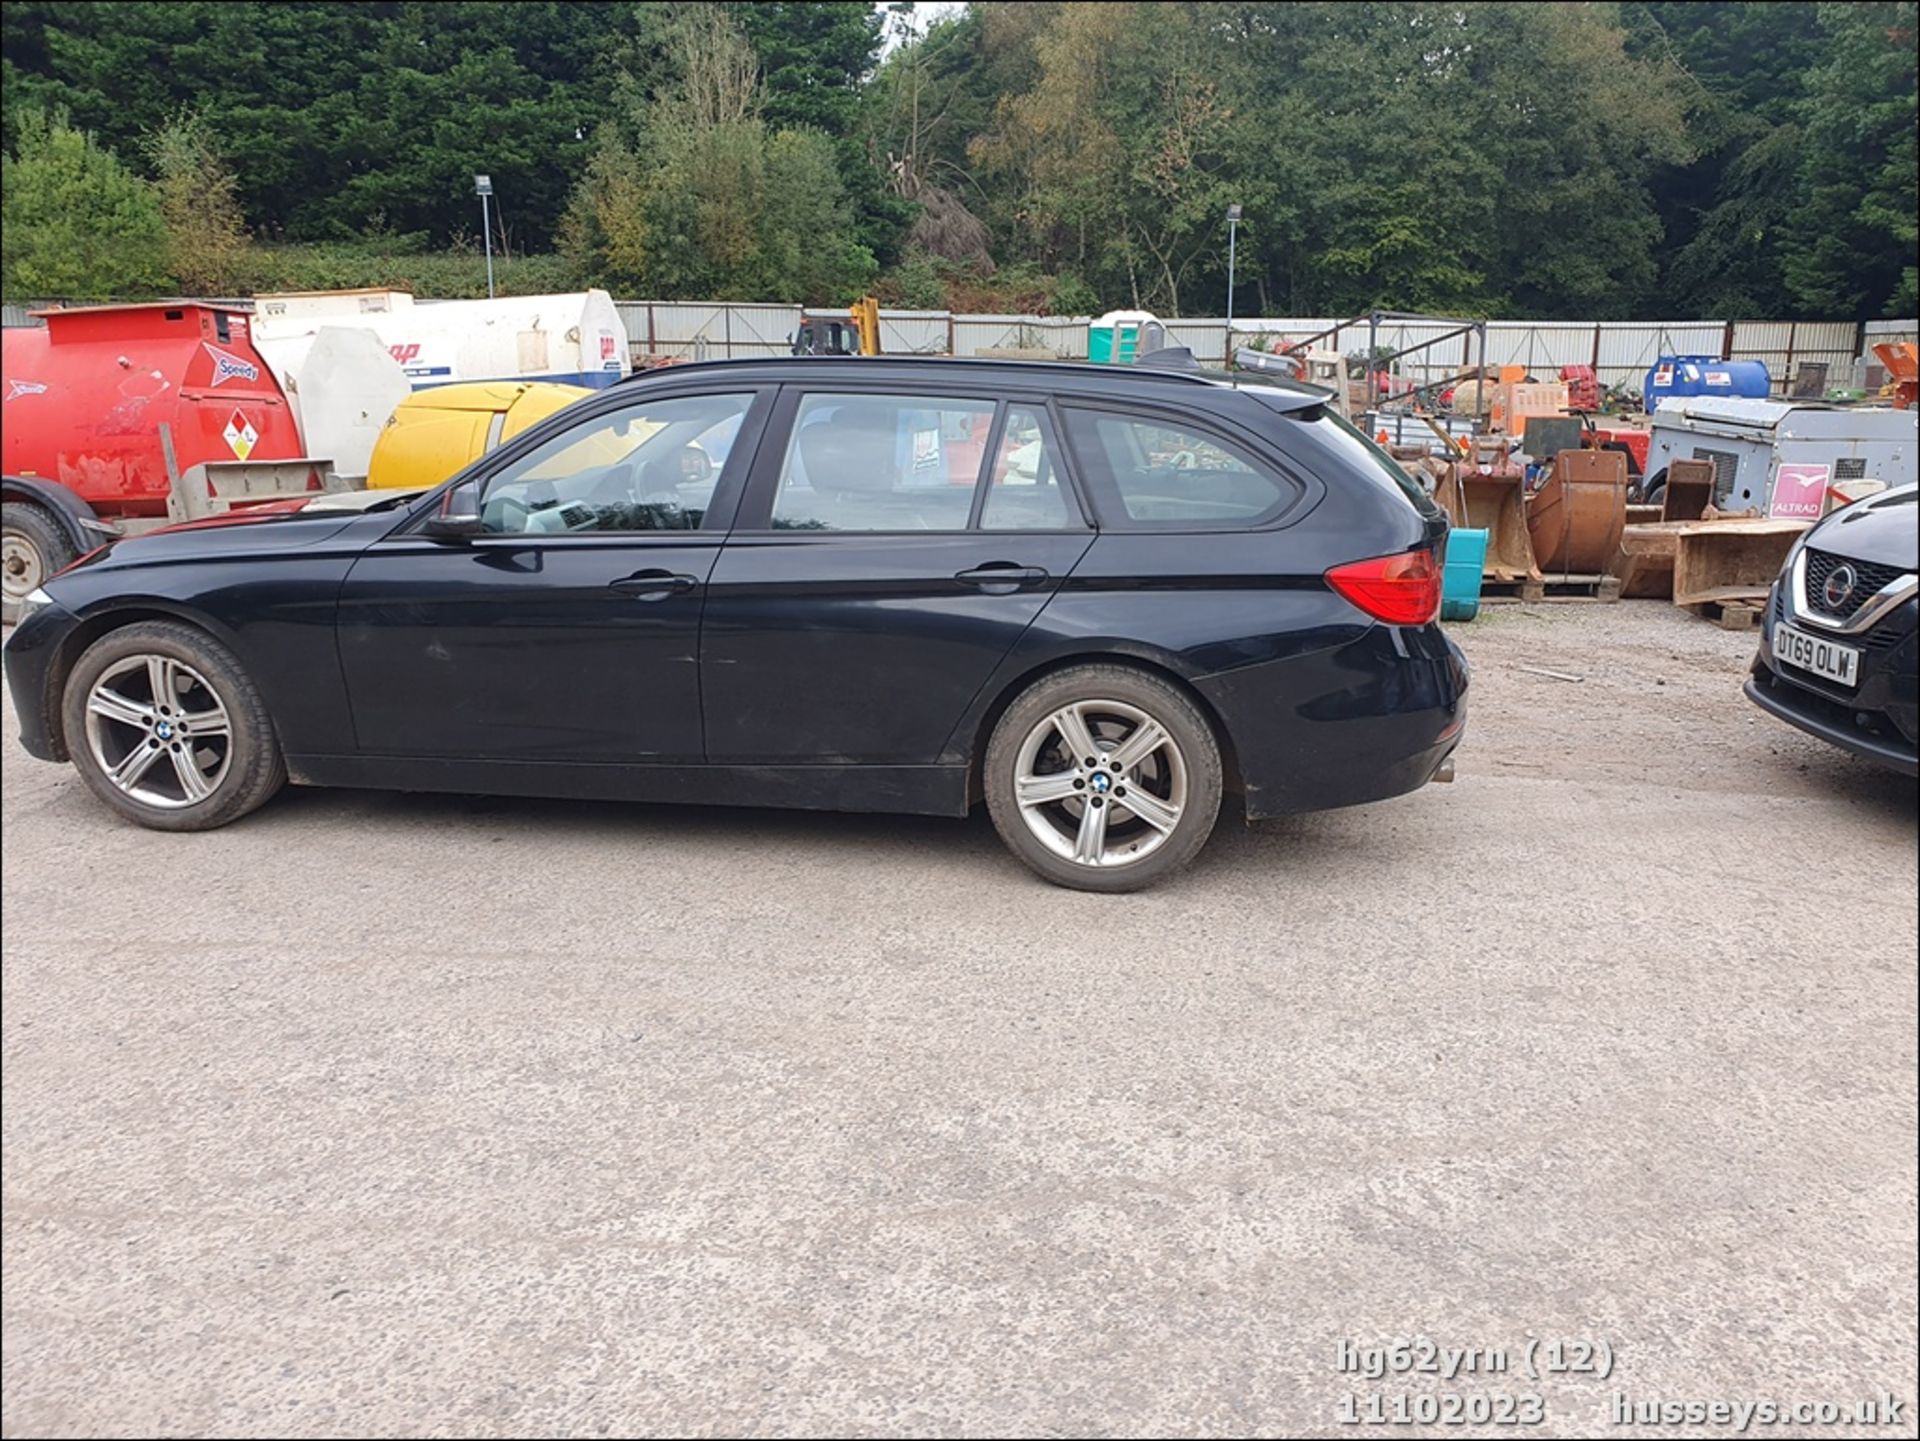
1353	446
1153	473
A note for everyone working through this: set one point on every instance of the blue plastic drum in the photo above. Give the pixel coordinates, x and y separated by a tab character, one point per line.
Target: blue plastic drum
1460	582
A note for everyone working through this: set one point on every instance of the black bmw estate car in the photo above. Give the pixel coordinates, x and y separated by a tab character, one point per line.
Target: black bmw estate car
1101	600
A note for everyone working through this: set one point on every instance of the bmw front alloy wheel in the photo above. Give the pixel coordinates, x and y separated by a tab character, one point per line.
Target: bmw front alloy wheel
167	729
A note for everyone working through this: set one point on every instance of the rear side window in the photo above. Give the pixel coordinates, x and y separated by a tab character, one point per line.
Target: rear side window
1025	489
882	463
1150	473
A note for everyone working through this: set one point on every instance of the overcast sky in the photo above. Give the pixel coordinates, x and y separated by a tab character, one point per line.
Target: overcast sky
924	14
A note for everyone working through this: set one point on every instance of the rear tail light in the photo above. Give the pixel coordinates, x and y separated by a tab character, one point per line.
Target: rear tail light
1401	589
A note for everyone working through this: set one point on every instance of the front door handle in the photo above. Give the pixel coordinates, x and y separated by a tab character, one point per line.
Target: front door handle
1002	577
653	584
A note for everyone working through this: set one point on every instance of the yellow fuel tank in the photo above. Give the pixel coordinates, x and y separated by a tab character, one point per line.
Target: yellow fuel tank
434	433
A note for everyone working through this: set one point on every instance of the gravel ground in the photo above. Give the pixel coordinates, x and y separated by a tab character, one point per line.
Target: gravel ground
432	1115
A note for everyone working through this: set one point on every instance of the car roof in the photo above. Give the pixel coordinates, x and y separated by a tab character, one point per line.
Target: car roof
1066	377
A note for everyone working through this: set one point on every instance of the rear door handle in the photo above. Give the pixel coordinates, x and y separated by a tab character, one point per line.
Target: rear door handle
653	584
1002	577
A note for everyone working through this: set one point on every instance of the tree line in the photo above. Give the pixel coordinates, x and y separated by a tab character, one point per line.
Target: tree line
1551	160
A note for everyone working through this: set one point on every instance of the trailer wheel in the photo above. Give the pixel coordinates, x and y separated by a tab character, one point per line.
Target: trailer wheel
32	548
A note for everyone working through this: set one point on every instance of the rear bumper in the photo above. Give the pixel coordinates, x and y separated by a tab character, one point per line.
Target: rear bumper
1366	721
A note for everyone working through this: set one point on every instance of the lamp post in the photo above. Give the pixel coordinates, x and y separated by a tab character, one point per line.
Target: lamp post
483	187
1233	236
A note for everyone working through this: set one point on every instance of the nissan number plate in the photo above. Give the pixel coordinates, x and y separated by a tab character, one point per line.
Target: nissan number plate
1822	657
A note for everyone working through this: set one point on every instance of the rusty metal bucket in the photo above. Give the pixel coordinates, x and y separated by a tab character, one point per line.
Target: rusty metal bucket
1689	490
1487	491
1721	560
1644	562
1576	518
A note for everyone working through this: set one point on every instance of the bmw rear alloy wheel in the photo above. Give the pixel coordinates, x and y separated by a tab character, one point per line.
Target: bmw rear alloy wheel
1104	778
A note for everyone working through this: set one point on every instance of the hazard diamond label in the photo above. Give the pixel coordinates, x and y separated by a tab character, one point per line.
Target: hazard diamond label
240	436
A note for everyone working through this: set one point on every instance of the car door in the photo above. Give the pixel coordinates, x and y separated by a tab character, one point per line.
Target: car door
892	546
568	629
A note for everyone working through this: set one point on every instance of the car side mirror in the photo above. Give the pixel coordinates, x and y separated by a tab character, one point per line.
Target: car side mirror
459	516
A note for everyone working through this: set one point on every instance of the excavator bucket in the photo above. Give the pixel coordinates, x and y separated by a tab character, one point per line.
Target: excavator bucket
1689	490
1716	561
1648	544
1576	518
1645	561
1487	491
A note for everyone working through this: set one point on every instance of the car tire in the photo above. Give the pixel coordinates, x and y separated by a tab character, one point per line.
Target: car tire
1054	810
152	705
32	547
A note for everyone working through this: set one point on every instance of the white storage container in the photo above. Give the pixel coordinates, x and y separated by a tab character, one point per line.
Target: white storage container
342	386
574	338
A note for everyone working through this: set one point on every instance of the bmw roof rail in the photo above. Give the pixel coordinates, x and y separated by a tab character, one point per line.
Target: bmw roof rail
1080	368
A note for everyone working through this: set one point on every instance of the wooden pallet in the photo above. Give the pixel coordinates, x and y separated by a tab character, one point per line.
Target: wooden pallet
1738	614
1600	588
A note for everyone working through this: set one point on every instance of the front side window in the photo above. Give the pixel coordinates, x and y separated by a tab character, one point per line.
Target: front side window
1157	472
649	467
882	463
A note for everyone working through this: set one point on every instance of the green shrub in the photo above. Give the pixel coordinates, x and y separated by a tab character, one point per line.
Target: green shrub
207	238
456	275
76	224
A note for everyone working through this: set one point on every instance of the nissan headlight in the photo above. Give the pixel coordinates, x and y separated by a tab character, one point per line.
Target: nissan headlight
1793	551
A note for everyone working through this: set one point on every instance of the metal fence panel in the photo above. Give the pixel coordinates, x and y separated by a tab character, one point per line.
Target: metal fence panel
1784	346
696	332
1761	337
633	320
914	332
761	330
1509	345
1543	349
1439	356
1286	329
1881	332
1207	339
1629	349
707	331
1065	336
